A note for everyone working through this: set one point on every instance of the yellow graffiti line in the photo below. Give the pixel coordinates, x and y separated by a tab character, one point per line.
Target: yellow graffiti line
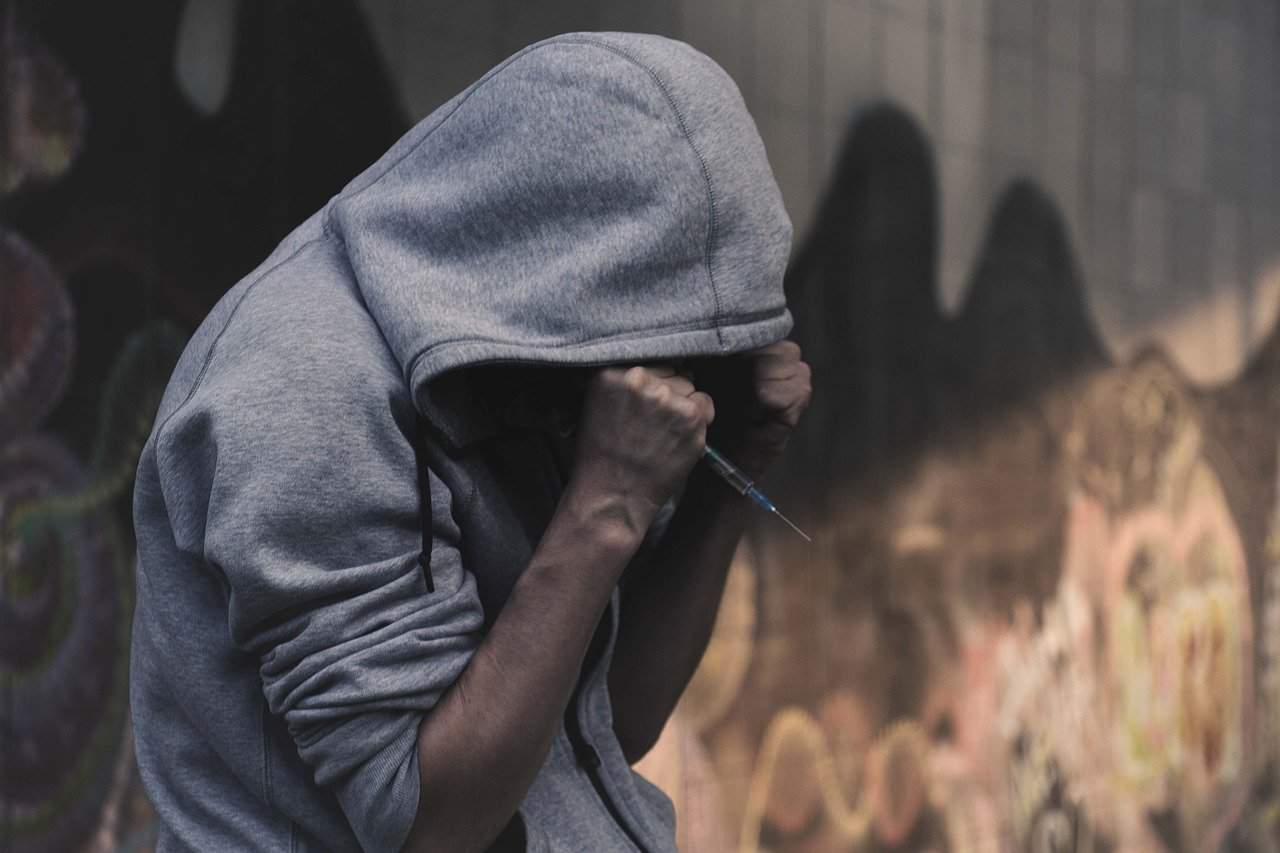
795	724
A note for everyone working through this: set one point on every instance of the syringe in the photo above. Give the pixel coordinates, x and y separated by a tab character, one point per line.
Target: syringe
736	477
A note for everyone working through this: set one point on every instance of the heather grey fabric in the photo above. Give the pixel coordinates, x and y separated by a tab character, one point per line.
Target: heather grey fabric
596	198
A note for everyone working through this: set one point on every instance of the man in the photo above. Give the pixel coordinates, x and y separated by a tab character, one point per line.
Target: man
571	274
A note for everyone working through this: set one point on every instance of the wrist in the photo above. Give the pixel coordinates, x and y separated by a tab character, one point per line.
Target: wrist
616	520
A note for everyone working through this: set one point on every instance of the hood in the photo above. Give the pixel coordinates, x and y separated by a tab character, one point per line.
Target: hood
595	198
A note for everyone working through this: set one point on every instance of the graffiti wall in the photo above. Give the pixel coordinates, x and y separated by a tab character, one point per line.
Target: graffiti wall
1039	613
1036	274
133	194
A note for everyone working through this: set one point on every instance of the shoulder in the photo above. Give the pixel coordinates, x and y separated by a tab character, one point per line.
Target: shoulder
294	339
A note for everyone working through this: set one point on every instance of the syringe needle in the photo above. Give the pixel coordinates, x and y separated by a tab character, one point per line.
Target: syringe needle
737	478
793	527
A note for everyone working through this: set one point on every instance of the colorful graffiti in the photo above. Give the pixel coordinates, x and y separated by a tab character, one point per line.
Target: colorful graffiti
66	576
1039	613
126	216
65	570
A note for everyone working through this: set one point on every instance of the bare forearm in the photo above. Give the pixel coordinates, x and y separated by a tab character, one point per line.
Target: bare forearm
669	610
483	743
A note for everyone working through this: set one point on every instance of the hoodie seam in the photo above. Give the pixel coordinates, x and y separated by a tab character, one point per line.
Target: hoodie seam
465	96
460	439
712	223
693	325
327	232
213	346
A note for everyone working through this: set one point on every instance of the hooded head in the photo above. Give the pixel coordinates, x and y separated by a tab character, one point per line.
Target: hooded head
596	198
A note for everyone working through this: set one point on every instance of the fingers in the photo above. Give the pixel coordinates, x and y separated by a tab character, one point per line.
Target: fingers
680	385
662	382
694	404
783	395
783	382
785	350
706	406
678	379
799	375
783	372
779	363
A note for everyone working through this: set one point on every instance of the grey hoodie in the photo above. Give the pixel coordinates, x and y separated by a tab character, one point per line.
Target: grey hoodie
595	198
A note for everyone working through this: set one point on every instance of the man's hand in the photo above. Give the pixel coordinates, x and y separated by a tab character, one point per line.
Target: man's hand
760	396
642	429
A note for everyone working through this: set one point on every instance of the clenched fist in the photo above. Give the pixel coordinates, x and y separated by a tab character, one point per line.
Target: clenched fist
761	395
641	430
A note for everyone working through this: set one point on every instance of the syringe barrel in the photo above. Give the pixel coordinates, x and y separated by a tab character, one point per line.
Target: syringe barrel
726	469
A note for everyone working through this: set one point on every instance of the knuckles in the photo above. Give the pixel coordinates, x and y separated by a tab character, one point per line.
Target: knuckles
687	412
656	396
634	378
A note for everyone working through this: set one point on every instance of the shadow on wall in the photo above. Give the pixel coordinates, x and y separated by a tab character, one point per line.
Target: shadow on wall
129	209
1041	609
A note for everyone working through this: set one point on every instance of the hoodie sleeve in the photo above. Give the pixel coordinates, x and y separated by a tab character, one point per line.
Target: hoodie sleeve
290	471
